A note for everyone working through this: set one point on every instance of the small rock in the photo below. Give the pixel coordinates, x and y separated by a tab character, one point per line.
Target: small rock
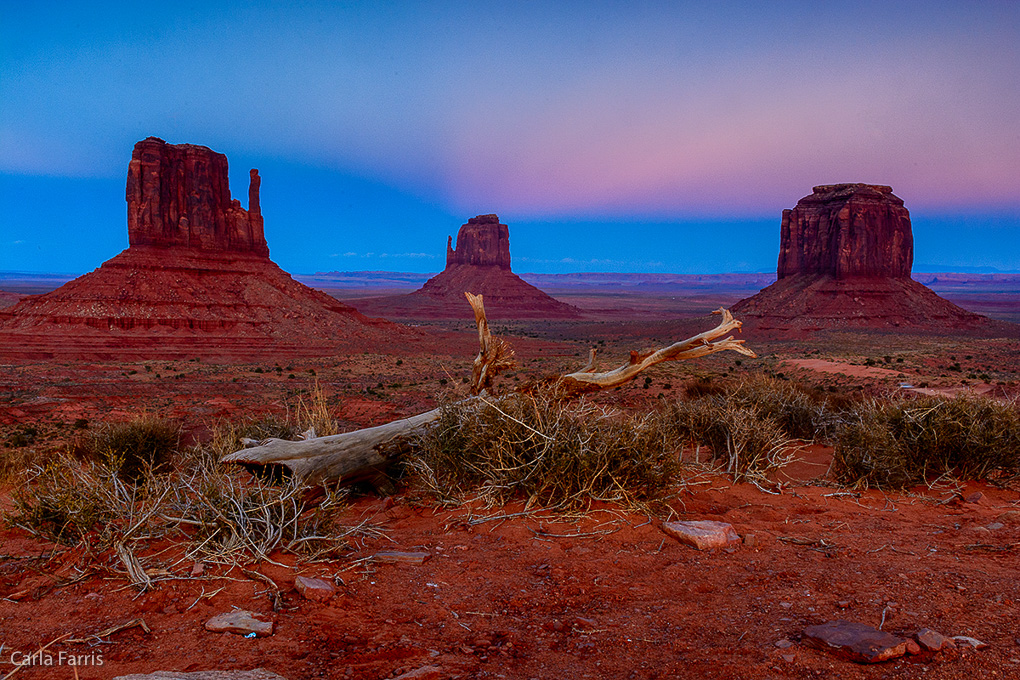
466	650
855	641
784	644
843	604
556	625
913	647
750	540
482	642
788	658
1010	517
257	674
702	534
198	569
315	589
975	497
932	640
395	557
995	526
969	641
240	622
423	673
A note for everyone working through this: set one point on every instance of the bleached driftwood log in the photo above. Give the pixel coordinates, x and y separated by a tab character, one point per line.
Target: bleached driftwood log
588	379
363	454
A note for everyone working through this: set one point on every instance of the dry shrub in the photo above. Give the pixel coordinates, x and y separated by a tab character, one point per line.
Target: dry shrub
747	443
134	449
237	517
801	412
66	498
227	514
895	443
543	450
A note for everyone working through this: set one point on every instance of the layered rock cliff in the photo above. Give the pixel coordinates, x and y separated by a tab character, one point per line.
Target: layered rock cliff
479	264
845	257
483	242
196	280
845	231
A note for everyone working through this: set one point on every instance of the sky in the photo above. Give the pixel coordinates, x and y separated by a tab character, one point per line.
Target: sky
610	136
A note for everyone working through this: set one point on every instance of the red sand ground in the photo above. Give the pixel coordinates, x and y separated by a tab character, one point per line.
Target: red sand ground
541	594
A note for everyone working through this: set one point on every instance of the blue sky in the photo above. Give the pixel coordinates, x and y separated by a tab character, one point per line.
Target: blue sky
610	136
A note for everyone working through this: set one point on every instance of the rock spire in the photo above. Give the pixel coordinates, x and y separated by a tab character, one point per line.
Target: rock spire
179	195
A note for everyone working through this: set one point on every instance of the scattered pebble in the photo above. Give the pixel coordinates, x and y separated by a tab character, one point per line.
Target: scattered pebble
240	622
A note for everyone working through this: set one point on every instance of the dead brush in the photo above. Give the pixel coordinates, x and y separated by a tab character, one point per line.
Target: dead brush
65	499
799	411
899	442
747	444
134	449
228	516
553	453
237	518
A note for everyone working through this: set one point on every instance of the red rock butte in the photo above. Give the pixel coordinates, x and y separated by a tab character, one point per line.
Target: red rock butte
195	281
845	256
479	264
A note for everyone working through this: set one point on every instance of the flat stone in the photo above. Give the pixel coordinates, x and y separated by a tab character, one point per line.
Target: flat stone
240	622
315	589
423	673
972	642
856	642
702	534
395	557
932	640
257	674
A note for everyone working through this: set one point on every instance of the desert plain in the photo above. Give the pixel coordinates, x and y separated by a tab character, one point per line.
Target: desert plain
511	591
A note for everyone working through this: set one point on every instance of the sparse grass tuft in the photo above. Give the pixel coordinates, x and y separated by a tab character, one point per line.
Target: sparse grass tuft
316	414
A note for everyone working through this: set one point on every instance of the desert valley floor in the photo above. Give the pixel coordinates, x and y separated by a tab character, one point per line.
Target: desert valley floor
516	592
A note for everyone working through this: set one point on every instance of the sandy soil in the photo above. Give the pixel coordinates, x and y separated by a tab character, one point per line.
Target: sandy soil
540	595
537	594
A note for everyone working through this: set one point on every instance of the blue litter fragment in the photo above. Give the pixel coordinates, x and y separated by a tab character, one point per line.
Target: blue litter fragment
250	635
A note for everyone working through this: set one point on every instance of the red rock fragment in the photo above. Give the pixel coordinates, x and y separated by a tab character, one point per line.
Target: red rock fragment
315	589
933	641
423	673
702	534
240	622
396	557
856	642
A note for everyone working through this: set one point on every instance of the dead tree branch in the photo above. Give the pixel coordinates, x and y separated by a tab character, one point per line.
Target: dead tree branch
364	454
